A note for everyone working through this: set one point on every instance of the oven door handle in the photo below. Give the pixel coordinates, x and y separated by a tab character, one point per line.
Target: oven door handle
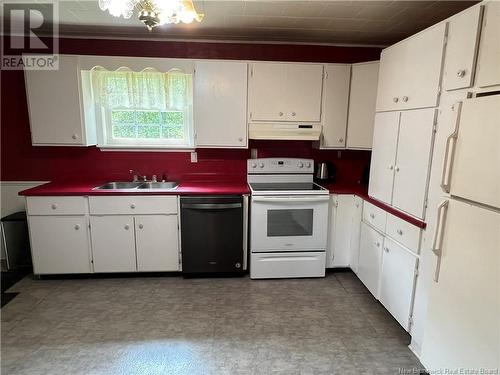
289	199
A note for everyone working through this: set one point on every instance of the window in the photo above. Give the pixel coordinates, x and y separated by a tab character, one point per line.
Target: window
146	109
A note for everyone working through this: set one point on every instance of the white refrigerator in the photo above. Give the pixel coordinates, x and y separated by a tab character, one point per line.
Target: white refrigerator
462	327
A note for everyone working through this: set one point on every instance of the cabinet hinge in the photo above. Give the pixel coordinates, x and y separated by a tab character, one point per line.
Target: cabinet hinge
426	201
445	39
410	321
415	272
435	127
251	72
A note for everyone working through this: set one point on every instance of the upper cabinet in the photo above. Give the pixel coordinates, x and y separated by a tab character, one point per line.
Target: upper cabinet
285	92
362	100
54	97
488	68
335	105
410	71
402	150
220	104
461	49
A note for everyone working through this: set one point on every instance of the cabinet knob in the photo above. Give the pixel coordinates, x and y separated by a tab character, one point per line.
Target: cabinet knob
372	216
74	136
395	99
405	99
400	232
377	244
397	169
132	206
341	140
141	226
127	227
281	113
391	167
53	206
386	249
293	114
461	73
77	226
240	139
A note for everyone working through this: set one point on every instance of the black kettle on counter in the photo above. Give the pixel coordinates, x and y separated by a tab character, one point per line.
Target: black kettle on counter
325	172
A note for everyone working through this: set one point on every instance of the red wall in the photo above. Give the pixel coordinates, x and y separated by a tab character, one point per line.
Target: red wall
22	162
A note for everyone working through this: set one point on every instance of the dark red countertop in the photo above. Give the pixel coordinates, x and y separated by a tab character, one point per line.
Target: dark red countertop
362	192
185	188
205	188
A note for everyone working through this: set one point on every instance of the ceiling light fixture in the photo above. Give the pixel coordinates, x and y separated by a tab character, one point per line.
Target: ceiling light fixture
153	13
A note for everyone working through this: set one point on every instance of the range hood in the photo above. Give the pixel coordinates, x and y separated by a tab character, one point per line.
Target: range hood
280	131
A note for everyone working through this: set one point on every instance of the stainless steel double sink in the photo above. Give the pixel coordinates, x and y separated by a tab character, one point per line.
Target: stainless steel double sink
143	186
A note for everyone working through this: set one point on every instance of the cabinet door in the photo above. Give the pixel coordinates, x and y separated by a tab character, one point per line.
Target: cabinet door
113	243
335	105
397	281
488	66
304	88
343	225
267	92
422	68
362	98
220	108
390	78
385	141
355	233
463	38
416	136
60	244
370	258
157	240
54	104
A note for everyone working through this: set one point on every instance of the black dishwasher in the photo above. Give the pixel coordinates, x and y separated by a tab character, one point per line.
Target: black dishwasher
212	234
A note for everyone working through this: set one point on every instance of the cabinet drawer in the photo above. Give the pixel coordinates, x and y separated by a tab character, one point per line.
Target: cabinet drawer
403	232
56	205
133	204
374	216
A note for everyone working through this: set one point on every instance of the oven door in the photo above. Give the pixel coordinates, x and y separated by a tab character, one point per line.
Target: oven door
289	223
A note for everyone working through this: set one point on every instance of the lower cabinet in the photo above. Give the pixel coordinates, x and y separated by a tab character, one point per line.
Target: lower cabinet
339	242
397	280
357	215
60	244
370	258
113	243
125	243
157	242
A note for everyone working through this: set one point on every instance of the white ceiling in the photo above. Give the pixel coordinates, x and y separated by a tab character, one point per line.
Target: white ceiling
333	22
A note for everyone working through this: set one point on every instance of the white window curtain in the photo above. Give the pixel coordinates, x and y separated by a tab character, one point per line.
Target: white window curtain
147	89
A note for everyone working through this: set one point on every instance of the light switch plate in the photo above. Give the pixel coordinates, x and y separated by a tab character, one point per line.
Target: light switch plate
253	153
194	157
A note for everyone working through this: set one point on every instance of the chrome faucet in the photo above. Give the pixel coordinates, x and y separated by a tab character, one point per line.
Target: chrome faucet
137	175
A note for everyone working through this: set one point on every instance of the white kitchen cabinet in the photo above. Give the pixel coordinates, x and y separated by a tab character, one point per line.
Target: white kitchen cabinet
113	243
370	258
285	92
335	105
339	242
488	65
461	49
385	143
401	155
355	233
157	242
410	71
397	281
362	100
60	244
54	105
220	104
413	158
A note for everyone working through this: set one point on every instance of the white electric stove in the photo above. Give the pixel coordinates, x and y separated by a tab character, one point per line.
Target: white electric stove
289	219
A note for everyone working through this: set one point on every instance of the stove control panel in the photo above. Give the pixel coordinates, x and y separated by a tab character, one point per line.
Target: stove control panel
280	165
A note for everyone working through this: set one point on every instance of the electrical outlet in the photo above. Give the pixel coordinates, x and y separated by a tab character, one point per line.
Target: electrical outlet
194	157
253	153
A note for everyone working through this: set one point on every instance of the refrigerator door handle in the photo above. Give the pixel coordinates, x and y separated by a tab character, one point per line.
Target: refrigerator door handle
448	159
438	236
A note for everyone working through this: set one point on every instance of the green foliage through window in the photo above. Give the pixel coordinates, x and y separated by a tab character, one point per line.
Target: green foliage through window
147	125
